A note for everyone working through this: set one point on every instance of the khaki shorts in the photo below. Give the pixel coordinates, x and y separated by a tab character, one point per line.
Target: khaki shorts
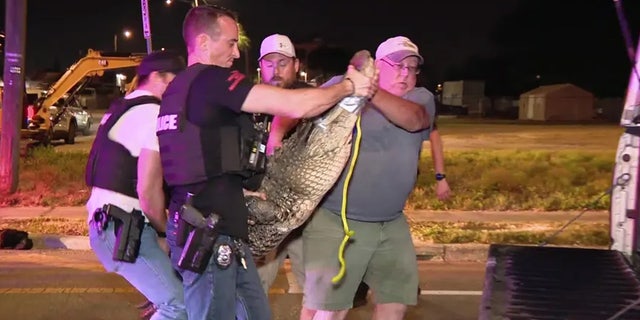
380	253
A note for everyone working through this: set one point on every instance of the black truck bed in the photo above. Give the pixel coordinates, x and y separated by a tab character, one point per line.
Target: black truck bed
526	282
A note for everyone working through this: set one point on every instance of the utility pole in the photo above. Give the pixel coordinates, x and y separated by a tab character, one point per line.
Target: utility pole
15	34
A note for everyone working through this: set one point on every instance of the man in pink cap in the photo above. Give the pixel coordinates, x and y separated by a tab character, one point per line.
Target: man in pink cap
393	127
392	52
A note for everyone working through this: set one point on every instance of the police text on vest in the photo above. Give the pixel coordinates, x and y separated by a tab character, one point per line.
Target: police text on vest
167	122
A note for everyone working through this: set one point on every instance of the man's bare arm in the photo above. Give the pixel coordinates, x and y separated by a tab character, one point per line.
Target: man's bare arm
437	152
149	188
307	102
298	103
401	112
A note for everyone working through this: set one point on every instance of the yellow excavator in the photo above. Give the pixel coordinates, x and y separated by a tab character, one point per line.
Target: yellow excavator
41	124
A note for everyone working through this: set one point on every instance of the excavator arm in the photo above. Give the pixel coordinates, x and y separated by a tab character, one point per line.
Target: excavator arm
93	64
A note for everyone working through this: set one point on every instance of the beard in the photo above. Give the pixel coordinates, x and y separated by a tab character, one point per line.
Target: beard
280	82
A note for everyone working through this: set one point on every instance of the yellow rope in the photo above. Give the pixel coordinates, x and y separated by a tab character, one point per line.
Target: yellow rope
343	212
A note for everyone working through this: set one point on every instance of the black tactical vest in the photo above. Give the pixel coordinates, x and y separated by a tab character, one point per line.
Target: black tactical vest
110	165
191	154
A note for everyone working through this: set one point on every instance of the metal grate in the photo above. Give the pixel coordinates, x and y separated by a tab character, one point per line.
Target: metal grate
531	283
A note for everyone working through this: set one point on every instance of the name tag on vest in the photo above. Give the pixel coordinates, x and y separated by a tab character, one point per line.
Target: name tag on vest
167	123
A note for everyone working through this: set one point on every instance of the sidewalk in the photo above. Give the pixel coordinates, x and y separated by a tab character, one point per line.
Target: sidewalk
418	216
428	251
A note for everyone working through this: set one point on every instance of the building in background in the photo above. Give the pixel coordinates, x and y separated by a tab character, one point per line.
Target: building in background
558	102
468	94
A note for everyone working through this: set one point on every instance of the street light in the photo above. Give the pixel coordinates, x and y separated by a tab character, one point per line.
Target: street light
193	3
126	34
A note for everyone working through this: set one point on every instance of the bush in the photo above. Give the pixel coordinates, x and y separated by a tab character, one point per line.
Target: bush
518	180
50	178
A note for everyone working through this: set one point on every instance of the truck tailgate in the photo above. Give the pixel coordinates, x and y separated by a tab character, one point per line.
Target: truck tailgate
526	282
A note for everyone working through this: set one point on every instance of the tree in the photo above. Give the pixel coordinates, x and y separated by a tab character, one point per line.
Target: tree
244	43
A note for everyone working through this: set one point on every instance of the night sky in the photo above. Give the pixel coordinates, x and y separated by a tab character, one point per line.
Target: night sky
507	42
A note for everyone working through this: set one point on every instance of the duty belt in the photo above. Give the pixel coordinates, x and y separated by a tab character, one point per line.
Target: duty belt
197	235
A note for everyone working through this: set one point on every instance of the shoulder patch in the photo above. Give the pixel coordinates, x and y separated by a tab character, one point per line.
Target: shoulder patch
235	79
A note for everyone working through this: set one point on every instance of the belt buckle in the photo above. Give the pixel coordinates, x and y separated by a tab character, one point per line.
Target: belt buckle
223	255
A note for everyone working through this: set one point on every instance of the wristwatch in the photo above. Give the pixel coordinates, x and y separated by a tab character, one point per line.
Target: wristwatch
440	176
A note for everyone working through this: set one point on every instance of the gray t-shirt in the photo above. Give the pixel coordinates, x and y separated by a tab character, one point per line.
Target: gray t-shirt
386	168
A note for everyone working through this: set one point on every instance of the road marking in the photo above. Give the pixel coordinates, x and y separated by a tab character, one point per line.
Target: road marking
450	293
293	283
422	292
271	291
277	291
295	289
65	290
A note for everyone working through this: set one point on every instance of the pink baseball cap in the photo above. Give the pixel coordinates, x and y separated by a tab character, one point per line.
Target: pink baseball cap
277	43
398	48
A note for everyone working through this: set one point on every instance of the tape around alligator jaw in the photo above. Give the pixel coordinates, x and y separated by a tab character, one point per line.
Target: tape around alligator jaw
349	104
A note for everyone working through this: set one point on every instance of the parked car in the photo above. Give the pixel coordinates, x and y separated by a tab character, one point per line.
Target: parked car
84	119
88	98
72	120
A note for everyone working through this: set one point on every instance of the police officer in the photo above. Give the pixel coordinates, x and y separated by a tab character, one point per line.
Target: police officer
127	207
199	130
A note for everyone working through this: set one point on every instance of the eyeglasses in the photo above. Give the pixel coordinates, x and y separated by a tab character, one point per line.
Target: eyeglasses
398	67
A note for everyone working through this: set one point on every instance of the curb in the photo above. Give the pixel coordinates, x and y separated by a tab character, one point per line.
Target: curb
459	252
52	241
468	252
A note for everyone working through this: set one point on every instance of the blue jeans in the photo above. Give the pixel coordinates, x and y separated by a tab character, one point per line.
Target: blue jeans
221	294
152	273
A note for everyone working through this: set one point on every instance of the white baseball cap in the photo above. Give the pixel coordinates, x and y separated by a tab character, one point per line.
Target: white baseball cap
398	48
277	43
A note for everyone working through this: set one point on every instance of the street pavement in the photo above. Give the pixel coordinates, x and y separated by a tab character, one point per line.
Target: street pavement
56	284
67	284
52	284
